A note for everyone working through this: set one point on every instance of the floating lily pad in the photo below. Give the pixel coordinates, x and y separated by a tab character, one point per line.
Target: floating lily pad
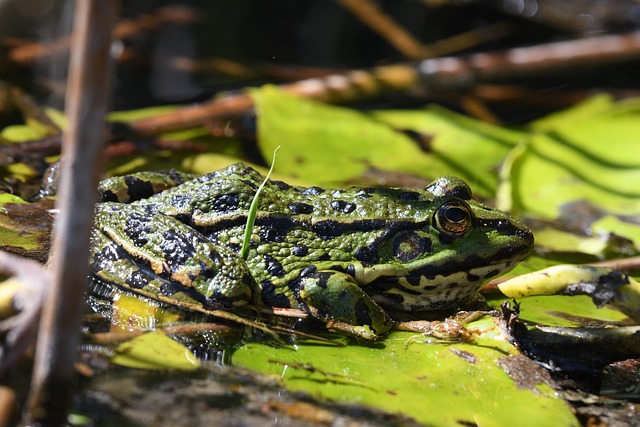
436	384
329	145
592	157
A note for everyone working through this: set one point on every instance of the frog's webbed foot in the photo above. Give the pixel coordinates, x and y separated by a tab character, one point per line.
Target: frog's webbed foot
337	299
159	257
452	328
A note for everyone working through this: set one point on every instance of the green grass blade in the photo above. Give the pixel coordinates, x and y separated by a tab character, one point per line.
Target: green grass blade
251	218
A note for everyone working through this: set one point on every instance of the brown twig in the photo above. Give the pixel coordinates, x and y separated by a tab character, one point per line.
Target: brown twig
373	17
24	53
87	99
432	74
411	47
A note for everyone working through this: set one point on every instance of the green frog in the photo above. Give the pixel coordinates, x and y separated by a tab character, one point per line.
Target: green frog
344	256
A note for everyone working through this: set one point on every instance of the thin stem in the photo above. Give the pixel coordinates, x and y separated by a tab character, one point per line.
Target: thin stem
87	99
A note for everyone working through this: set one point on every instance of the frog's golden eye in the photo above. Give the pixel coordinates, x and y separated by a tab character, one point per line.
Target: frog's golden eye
453	217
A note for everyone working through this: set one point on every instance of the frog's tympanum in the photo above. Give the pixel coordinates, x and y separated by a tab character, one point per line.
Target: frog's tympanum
343	256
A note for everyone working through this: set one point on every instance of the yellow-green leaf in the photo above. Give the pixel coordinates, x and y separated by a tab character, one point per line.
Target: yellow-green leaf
438	385
155	350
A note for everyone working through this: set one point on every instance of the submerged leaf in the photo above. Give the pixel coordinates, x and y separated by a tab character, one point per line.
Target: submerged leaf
155	350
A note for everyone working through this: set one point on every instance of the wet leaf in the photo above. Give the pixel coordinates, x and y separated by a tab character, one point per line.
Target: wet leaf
155	350
613	224
603	285
441	385
25	227
330	145
563	241
131	313
592	157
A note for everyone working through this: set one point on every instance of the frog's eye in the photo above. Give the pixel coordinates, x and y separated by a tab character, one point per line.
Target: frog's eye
453	217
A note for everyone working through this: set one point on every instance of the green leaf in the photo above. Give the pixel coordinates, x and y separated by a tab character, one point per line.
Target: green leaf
466	147
330	145
24	227
440	385
612	224
593	157
155	350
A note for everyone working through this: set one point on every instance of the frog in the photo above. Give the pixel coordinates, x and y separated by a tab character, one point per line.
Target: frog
346	257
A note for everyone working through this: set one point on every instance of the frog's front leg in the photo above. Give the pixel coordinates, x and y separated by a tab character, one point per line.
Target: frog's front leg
337	299
160	257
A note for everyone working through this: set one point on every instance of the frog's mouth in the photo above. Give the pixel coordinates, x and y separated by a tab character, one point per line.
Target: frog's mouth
449	284
435	291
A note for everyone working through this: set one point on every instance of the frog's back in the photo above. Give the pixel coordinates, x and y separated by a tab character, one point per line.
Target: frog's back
226	195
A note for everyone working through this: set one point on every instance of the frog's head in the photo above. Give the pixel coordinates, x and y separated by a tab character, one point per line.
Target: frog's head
443	261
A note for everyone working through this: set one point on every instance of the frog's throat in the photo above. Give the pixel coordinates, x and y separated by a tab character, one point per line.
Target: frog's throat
441	292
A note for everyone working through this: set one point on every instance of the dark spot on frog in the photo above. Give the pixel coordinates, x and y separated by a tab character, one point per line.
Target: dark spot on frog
409	246
107	196
109	253
138	279
282	224
299	250
176	249
492	273
366	254
328	229
271	298
413	279
274	267
300	208
322	278
343	206
361	311
137	188
224	203
307	271
364	193
184	218
250	183
215	257
219	301
270	234
137	226
409	196
180	201
473	277
350	269
235	247
324	257
208	272
281	185
313	191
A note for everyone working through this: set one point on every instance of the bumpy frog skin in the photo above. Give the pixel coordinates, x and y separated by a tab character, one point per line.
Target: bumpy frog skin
340	255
